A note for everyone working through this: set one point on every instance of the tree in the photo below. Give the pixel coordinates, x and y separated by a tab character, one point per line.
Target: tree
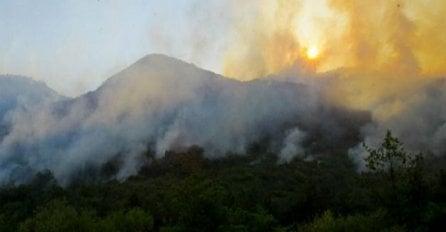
59	216
404	171
365	223
387	158
134	219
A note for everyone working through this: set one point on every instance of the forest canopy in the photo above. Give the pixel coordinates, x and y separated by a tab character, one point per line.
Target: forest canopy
184	191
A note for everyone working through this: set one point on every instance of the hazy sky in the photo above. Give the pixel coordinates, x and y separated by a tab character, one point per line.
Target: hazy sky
74	45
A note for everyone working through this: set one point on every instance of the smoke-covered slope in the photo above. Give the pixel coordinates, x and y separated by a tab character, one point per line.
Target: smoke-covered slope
160	103
418	119
18	93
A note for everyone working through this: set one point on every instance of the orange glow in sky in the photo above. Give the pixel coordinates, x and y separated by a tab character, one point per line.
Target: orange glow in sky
312	53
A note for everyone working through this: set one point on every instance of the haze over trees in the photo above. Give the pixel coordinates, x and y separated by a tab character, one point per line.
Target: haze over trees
184	191
159	104
285	115
213	155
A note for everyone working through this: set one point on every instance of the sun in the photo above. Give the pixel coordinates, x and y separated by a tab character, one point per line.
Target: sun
312	53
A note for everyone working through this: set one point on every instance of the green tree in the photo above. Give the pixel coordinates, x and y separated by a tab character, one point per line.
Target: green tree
387	157
360	223
404	171
58	216
134	219
392	160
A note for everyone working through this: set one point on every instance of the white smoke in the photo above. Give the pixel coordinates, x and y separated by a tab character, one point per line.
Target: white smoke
419	123
162	104
292	146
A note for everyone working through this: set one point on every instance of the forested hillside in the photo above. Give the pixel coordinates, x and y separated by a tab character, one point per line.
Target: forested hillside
223	115
184	191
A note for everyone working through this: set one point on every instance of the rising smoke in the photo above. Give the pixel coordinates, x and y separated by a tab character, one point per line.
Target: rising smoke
292	146
380	66
385	57
162	104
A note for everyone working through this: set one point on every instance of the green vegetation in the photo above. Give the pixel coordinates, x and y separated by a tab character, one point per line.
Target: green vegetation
186	192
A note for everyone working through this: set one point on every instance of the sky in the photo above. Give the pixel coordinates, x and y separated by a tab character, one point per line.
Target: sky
74	45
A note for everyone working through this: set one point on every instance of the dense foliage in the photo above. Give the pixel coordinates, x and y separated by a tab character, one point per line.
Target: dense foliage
186	192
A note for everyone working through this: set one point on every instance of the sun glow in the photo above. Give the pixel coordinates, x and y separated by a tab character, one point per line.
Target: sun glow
312	53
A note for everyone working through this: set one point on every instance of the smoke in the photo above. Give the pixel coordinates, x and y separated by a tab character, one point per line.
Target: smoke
377	66
372	51
394	37
267	27
293	146
385	57
419	122
162	104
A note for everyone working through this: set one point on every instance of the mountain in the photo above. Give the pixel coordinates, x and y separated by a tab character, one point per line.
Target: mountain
160	104
18	91
21	93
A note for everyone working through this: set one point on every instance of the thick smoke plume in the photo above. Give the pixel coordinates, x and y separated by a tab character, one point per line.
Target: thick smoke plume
395	37
377	65
162	104
385	57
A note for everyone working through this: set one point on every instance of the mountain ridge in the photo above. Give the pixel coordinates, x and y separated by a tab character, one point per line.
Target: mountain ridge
161	103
